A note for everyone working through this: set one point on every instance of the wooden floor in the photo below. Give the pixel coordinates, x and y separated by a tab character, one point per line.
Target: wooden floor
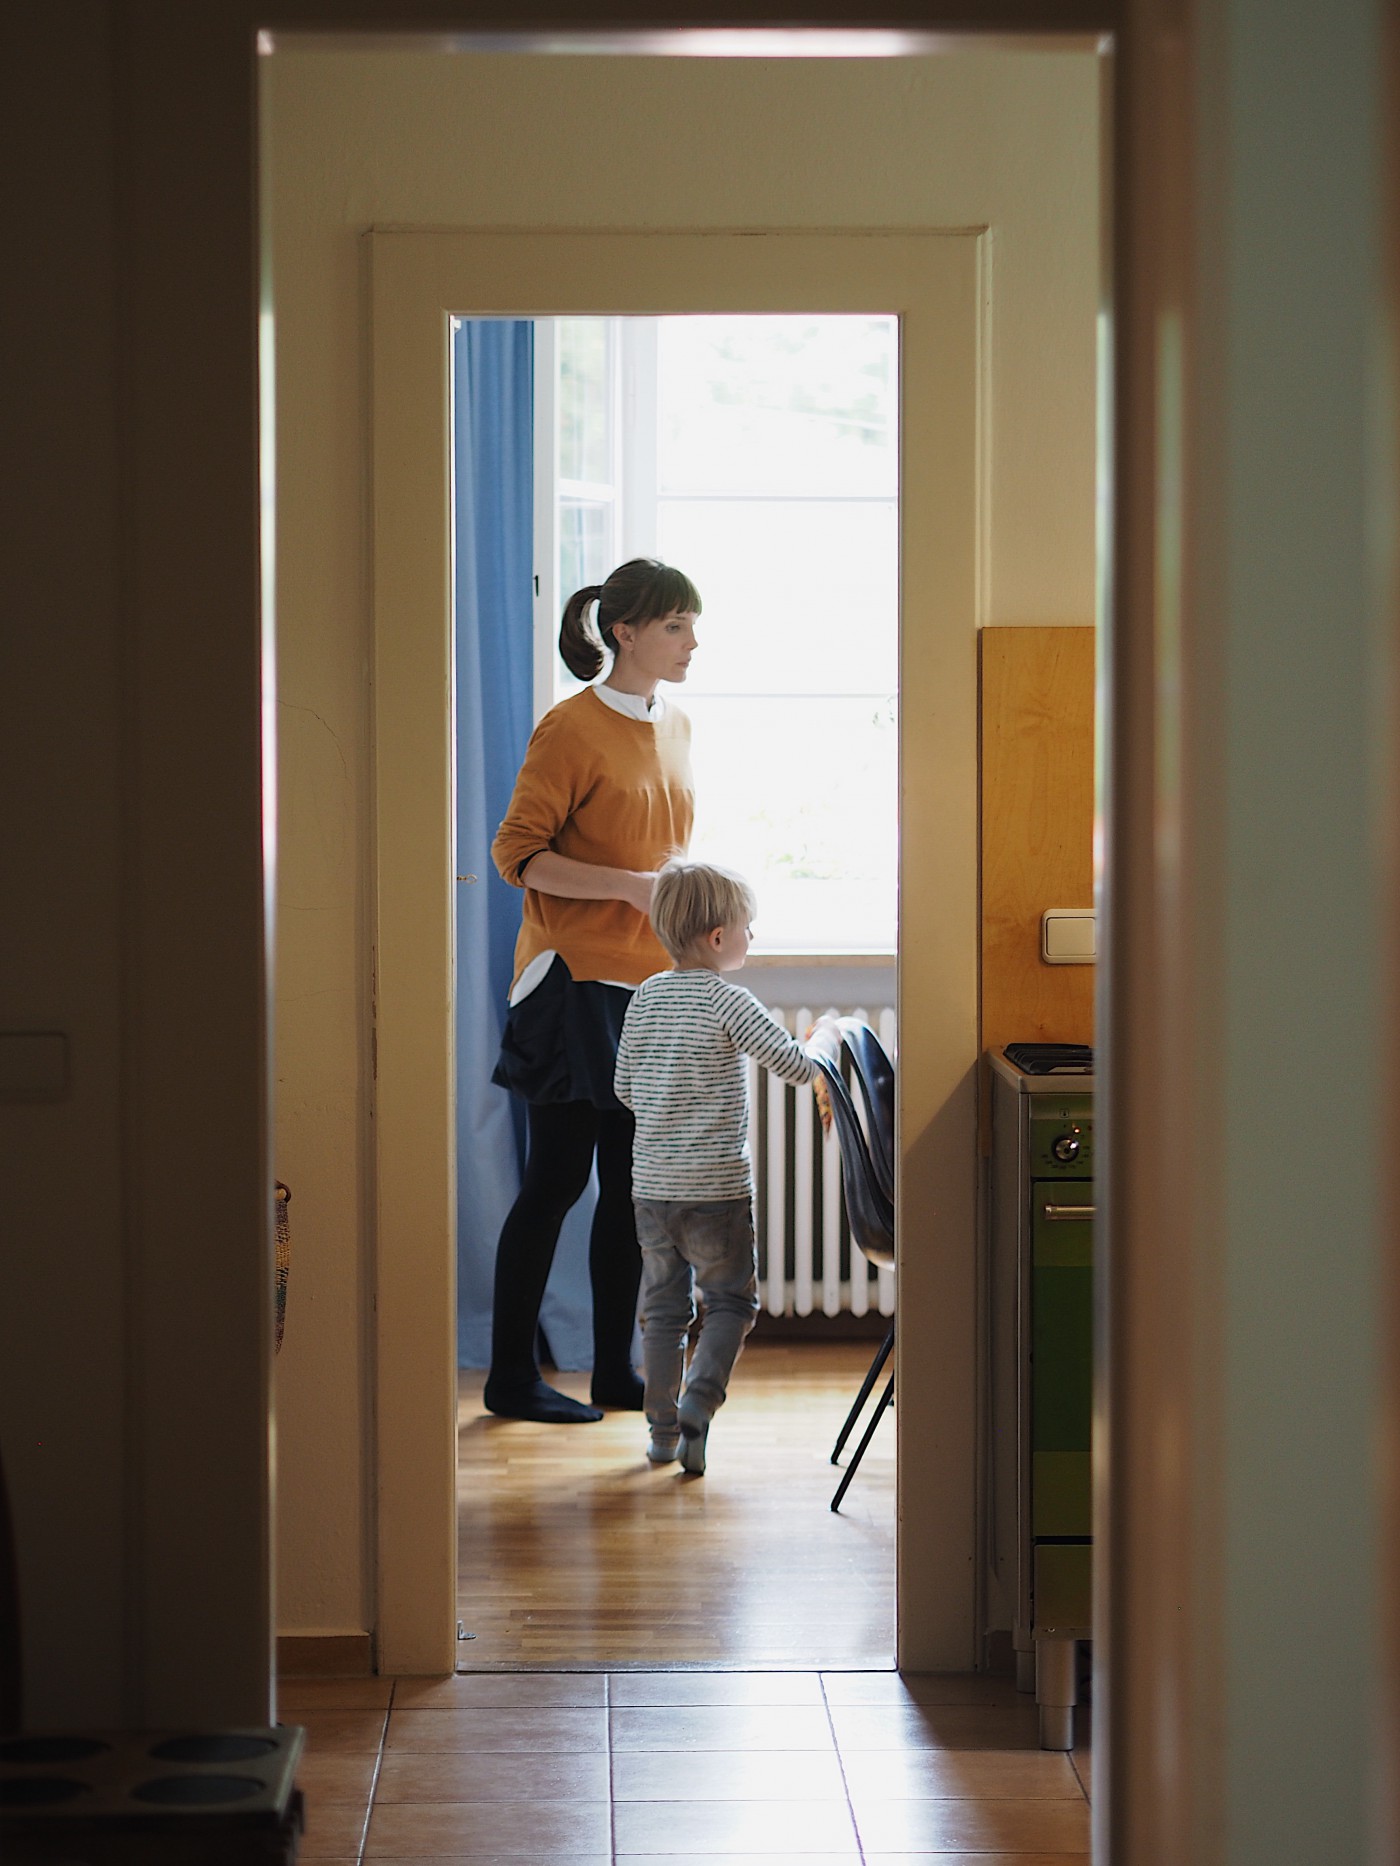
576	1554
671	1769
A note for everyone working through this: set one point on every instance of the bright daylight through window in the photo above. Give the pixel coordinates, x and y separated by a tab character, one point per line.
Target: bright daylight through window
760	454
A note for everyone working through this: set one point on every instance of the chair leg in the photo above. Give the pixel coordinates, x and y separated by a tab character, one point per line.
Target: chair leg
886	1399
874	1374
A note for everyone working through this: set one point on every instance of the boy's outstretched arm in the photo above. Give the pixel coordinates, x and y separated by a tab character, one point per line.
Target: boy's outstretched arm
760	1035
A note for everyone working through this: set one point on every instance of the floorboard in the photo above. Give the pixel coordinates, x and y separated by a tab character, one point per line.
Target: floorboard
576	1554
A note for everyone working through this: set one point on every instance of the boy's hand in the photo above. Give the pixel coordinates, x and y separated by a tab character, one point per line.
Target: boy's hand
823	1098
824	1038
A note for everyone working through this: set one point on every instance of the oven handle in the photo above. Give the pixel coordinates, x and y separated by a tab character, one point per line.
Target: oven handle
1067	1213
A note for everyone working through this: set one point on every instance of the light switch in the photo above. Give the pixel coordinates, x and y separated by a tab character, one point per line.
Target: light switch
1068	936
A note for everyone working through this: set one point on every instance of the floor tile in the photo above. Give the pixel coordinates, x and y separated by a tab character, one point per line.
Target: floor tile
730	1775
342	1732
846	1856
494	1775
633	1688
713	1726
973	1826
335	1777
935	1726
774	1828
471	1828
915	1688
913	1775
303	1694
1082	1760
466	1730
974	1859
496	1859
332	1833
503	1690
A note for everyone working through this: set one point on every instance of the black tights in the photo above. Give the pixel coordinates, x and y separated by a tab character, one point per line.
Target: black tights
563	1137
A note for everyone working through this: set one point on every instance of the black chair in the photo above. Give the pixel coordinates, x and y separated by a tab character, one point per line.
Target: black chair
874	1074
871	1215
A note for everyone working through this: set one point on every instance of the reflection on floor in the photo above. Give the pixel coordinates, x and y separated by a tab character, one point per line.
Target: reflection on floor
576	1553
675	1768
587	1574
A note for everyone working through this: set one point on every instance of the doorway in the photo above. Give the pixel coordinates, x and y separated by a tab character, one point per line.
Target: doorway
761	454
933	283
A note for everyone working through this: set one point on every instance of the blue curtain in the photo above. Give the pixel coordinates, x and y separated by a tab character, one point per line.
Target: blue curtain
493	435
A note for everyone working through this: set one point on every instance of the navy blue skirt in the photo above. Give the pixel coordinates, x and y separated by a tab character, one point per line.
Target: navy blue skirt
560	1042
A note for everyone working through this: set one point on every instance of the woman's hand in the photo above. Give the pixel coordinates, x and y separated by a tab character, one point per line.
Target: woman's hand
639	888
548	873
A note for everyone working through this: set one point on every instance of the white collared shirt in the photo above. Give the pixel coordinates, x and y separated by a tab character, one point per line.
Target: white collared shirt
635	705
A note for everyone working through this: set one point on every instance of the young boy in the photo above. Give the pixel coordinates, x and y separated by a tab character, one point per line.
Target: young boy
680	1069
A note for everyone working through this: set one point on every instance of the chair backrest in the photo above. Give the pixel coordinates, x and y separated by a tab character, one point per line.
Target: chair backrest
870	1211
874	1073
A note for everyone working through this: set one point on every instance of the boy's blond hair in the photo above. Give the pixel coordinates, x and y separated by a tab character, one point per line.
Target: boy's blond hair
691	899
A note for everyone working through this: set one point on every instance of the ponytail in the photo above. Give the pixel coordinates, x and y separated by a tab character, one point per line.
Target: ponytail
580	647
637	592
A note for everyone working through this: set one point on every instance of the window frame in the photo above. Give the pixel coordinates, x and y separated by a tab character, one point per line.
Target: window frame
635	498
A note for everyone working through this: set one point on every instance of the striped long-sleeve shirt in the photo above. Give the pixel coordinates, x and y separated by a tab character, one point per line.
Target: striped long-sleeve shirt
680	1069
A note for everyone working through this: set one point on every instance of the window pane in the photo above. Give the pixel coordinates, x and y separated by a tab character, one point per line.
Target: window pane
799	598
585	539
801	797
585	399
778	405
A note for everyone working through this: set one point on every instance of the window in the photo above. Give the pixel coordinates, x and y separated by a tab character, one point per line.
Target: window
761	455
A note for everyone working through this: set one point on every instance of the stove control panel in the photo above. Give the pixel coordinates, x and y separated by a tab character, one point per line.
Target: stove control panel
1062	1136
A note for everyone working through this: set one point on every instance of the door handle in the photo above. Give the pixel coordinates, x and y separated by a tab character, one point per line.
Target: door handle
1065	1214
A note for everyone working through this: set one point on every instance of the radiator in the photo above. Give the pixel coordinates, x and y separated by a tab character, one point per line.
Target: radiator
806	1262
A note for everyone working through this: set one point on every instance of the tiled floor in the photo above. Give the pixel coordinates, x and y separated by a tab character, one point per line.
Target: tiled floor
675	1768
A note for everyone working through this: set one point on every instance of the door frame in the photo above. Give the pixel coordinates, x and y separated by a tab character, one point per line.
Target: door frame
935	281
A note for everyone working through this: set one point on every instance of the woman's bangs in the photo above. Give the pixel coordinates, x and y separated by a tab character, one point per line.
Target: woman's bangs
674	594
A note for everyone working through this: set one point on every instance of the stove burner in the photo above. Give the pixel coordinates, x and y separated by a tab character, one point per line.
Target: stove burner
1051	1059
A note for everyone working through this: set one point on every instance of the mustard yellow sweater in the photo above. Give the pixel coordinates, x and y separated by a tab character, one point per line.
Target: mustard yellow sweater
597	786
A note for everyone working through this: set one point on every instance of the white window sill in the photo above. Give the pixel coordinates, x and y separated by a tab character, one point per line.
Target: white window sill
757	960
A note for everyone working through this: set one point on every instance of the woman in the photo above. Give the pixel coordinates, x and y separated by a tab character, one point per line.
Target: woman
603	799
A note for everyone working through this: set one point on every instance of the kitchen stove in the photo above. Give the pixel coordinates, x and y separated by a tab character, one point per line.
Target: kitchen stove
1040	1366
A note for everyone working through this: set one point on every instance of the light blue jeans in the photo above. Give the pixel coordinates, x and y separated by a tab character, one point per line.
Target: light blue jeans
709	1244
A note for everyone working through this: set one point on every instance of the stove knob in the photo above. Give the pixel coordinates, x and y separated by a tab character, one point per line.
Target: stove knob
1065	1147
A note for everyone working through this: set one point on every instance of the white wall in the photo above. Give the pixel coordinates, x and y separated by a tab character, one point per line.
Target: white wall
356	140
